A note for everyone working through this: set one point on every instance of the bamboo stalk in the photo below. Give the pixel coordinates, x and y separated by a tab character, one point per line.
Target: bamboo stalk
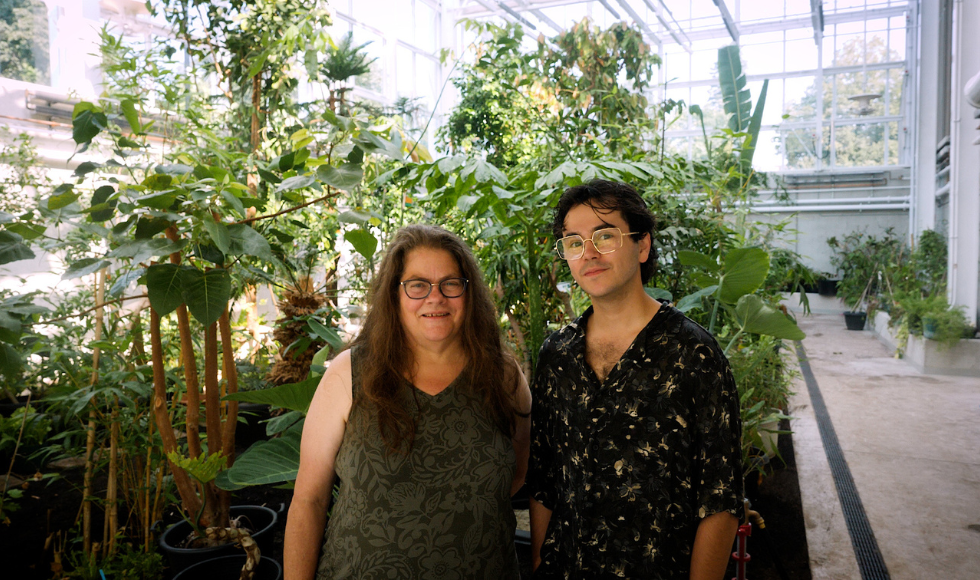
189	361
230	372
212	403
112	491
90	428
189	498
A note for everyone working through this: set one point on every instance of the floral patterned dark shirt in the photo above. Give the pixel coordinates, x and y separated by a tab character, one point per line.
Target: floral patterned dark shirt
631	465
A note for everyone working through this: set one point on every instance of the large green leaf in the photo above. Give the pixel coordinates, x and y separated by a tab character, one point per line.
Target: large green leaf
163	287
296	182
745	270
748	150
692	301
658	293
87	124
344	176
265	462
10	361
738	103
26	230
363	241
12	248
101	198
692	258
328	334
132	117
293	396
757	317
63	196
10	327
245	240
206	293
219	234
84	267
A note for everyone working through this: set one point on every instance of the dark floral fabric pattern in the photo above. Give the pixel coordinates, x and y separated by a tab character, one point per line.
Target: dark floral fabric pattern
441	512
630	466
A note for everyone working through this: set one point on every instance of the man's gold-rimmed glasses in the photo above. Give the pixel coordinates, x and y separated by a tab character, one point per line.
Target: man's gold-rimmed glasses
605	241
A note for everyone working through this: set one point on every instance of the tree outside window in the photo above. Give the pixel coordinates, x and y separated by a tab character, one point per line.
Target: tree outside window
24	41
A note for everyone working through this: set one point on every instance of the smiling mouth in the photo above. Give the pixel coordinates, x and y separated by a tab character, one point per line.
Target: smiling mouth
436	315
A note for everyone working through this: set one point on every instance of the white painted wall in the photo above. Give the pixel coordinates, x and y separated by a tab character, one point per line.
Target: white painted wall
964	197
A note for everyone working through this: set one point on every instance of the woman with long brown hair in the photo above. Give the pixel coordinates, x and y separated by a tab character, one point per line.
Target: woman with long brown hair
425	420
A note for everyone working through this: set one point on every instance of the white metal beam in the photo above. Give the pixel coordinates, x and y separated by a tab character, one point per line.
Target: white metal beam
636	18
729	21
606	5
816	16
541	16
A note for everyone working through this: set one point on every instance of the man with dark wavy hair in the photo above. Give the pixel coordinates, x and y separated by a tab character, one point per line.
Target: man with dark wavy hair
635	465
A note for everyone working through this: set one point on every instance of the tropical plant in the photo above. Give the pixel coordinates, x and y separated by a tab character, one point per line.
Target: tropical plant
861	260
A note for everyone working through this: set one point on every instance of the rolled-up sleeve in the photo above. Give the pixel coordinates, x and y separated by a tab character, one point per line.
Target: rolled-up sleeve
719	430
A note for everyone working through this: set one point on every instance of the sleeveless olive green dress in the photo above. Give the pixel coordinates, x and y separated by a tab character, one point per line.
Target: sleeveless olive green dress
440	512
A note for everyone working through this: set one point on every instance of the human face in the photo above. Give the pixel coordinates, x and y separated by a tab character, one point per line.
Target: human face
434	322
604	276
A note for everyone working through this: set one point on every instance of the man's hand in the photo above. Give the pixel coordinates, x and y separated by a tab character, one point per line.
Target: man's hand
540	517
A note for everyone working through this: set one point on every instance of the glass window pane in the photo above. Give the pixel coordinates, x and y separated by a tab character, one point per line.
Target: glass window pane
425	24
26	51
403	15
896	87
798	146
704	64
859	145
762	58
767	156
426	81
773	112
801	98
793	7
677	64
894	143
404	72
849	50
801	55
373	80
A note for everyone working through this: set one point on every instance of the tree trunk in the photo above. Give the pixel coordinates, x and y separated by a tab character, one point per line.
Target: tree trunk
189	499
212	404
90	429
230	373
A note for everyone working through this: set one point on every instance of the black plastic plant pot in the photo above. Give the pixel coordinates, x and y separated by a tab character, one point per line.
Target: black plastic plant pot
258	518
230	568
827	287
855	320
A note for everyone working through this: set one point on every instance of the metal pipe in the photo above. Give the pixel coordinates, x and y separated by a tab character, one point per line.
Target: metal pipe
814	208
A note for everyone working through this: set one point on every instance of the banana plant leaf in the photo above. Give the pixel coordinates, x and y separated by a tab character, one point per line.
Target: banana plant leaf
272	461
744	271
748	149
735	95
292	396
757	317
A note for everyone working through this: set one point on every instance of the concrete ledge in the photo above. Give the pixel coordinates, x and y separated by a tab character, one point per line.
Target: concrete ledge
880	327
961	360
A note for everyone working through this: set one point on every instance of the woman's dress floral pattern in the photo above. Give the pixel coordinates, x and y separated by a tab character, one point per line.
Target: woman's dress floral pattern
440	512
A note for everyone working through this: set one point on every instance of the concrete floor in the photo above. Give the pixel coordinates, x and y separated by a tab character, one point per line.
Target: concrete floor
912	442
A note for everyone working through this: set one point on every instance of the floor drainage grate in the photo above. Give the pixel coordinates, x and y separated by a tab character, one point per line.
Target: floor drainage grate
869	559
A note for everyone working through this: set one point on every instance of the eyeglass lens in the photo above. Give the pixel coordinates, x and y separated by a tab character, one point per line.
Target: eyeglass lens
450	288
605	241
